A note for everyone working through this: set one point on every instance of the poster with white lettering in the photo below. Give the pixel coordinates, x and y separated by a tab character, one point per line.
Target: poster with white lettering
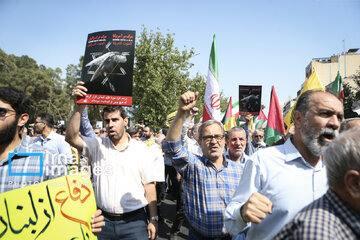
108	68
249	99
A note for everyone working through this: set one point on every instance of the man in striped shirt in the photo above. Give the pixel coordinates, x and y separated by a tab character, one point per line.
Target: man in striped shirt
209	180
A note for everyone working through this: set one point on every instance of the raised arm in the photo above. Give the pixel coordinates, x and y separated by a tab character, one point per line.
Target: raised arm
186	102
73	129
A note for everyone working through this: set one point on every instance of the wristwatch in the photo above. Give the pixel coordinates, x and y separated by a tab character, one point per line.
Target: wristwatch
156	218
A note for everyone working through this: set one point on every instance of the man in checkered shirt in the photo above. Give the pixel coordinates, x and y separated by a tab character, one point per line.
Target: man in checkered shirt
337	214
209	180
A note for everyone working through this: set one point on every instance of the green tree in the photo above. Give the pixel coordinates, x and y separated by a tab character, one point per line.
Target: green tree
161	75
43	85
351	95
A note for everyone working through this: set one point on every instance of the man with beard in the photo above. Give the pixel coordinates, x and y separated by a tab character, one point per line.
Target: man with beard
148	135
336	215
50	140
14	114
123	174
236	142
279	181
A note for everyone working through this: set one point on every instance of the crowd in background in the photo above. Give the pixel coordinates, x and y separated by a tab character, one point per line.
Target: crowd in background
228	185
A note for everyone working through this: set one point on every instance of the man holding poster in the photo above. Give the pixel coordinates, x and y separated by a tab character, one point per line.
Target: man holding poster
123	174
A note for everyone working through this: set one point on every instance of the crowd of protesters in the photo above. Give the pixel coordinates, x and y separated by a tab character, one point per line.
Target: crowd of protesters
227	185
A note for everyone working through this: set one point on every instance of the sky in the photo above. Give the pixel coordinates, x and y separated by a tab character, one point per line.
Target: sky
259	42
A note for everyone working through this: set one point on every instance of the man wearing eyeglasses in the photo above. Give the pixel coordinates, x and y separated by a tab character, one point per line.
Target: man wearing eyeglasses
258	139
50	140
15	106
209	180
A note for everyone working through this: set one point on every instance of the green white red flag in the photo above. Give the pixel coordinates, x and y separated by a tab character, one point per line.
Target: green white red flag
212	93
275	125
337	87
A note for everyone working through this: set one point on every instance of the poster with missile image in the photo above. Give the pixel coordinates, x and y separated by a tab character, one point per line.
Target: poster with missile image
108	68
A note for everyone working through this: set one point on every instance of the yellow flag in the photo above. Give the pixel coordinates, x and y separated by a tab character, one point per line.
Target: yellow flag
312	83
170	118
231	123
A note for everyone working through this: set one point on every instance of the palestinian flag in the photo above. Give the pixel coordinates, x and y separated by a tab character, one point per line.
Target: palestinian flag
261	120
229	118
275	125
337	87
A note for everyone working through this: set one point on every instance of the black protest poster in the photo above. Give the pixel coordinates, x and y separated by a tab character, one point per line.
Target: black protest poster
108	68
249	99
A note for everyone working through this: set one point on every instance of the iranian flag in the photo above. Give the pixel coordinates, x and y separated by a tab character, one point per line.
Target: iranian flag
229	118
260	121
337	87
275	125
212	93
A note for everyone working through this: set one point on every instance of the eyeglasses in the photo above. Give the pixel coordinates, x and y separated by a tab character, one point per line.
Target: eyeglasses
259	136
208	138
4	111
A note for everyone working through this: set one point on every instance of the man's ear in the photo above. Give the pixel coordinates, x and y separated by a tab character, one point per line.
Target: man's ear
352	183
23	119
298	119
126	121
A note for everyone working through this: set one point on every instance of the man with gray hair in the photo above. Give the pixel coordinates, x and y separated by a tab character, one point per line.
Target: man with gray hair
236	142
350	123
209	179
337	214
279	181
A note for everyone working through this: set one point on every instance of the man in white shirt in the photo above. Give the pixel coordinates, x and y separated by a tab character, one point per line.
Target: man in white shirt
279	181
123	174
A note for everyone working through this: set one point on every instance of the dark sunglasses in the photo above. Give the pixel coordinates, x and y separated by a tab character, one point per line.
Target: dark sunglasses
4	111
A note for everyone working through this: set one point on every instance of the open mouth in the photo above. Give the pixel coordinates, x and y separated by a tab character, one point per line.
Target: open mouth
328	137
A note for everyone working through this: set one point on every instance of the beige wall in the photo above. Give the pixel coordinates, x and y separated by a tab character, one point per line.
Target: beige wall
327	71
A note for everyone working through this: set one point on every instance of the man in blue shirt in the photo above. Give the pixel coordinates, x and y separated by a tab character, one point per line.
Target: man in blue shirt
209	180
50	140
279	181
336	215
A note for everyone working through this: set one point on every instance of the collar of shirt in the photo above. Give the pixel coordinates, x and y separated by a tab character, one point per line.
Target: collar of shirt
243	157
291	154
207	162
125	147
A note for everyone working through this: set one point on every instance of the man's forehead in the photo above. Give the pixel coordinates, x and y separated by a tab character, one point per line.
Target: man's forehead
325	100
214	128
5	105
237	134
258	132
109	115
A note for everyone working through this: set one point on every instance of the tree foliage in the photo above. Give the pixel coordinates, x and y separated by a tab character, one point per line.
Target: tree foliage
43	85
351	95
161	75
